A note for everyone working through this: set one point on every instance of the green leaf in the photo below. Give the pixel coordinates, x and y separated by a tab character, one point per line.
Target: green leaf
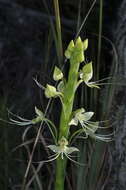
69	50
51	91
57	75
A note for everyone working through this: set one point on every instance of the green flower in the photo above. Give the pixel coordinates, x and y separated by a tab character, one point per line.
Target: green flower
86	75
69	50
57	75
51	92
23	122
75	51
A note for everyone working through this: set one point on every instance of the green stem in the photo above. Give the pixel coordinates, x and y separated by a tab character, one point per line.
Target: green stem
76	54
58	30
60	173
69	94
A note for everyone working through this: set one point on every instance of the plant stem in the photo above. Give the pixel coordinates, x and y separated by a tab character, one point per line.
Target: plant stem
60	173
69	94
58	30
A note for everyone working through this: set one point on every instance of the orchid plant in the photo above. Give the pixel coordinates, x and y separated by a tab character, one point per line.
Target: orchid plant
80	119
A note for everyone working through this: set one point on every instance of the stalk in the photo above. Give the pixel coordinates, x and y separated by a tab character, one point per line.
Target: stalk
68	100
58	30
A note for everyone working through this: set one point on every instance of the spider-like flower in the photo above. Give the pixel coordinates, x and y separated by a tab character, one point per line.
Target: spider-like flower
23	122
89	127
64	150
40	118
86	75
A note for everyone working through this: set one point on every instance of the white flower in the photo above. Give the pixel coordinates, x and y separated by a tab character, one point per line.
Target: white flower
63	150
89	127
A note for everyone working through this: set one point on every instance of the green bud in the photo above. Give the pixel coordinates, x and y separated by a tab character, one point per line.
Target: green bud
57	75
85	44
87	72
78	41
78	54
51	91
69	50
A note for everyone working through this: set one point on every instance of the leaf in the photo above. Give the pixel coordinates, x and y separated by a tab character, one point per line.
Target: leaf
57	75
69	50
39	112
70	150
54	148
